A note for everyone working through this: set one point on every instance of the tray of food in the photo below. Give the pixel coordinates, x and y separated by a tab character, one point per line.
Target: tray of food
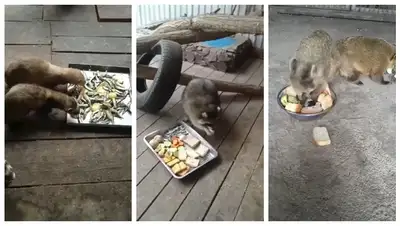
180	149
311	109
105	99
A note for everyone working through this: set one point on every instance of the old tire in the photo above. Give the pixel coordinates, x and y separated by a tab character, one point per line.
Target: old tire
154	98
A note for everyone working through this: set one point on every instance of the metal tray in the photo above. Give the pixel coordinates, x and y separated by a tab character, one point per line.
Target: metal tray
124	74
212	153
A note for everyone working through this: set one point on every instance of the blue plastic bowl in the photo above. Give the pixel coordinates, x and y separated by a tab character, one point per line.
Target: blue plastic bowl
305	117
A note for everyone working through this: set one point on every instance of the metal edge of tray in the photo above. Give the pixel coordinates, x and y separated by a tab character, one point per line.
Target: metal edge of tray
102	68
190	130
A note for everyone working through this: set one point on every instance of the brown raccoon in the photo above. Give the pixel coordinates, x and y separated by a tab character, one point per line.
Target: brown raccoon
312	67
21	99
366	56
42	73
31	84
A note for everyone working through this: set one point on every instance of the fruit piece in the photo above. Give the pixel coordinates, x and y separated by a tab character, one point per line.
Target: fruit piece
162	152
184	171
325	100
182	154
182	165
192	162
175	142
176	169
173	162
321	136
167	144
284	100
293	99
180	143
167	159
159	147
293	107
202	150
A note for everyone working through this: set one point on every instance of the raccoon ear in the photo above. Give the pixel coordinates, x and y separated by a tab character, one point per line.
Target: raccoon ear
204	115
293	64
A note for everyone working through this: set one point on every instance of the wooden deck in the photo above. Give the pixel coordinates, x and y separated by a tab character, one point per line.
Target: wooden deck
231	188
65	174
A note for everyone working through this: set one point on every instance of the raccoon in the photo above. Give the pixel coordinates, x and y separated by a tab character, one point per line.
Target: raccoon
312	67
365	56
33	84
21	99
201	104
42	73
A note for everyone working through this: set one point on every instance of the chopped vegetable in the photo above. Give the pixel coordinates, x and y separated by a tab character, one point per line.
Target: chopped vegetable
173	162
184	171
284	100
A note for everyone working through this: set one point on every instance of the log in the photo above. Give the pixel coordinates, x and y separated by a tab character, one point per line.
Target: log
218	22
145	72
201	28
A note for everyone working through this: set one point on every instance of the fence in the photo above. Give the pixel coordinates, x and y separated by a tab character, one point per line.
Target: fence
150	14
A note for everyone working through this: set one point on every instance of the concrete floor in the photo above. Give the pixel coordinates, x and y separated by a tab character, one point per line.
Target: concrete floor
355	177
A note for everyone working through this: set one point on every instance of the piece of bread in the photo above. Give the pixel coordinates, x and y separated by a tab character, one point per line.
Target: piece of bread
202	150
321	136
293	107
191	141
290	91
191	153
192	162
325	100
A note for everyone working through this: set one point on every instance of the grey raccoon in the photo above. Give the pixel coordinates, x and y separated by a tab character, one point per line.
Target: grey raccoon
313	65
201	104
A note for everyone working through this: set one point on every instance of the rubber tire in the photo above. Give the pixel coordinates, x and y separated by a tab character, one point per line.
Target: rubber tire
166	79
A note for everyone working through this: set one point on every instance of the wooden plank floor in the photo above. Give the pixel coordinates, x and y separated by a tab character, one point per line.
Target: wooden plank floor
230	188
67	174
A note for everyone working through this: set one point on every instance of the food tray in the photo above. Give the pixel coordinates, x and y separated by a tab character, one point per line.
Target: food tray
122	74
212	153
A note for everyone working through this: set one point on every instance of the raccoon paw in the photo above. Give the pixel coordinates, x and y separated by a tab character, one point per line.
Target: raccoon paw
209	131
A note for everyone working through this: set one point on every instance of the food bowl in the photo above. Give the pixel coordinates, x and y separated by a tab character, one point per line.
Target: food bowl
306	117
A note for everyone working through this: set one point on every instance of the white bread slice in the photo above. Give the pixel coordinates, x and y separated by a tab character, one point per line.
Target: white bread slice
293	107
321	136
